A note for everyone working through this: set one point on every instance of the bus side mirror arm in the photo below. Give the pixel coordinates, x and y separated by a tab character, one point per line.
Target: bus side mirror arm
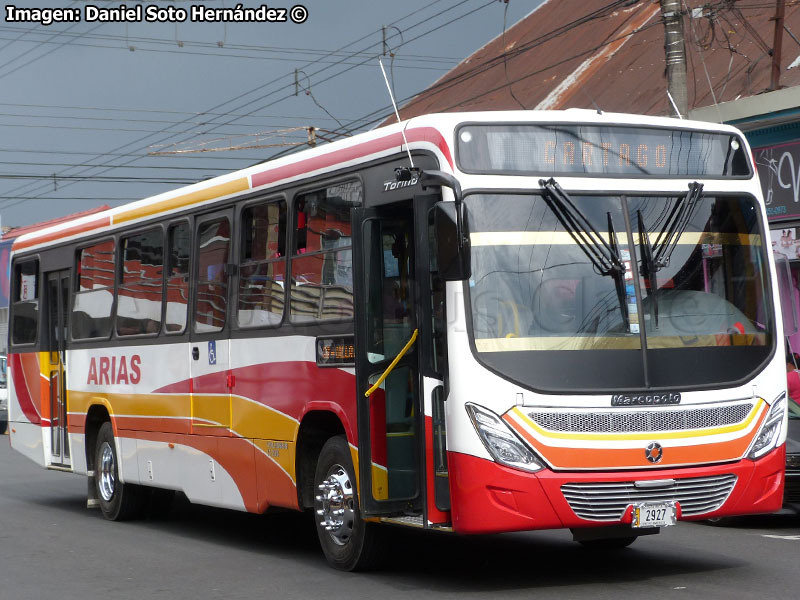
452	237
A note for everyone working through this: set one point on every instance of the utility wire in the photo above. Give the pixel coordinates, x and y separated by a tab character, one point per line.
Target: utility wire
224	52
127	145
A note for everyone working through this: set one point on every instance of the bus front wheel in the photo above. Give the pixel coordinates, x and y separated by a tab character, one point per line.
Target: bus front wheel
349	543
118	501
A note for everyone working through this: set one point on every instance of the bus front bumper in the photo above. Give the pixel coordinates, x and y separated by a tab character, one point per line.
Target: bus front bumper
491	498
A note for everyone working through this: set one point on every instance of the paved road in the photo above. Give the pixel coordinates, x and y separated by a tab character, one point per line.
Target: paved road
53	547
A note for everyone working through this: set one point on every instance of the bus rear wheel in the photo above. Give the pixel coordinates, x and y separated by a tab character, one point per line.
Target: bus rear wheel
118	501
348	542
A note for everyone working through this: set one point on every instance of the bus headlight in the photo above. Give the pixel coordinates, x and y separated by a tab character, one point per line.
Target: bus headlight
501	442
770	431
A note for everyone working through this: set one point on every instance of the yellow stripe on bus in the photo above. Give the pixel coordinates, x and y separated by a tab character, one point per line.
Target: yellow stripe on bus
516	413
210	193
550	238
628	342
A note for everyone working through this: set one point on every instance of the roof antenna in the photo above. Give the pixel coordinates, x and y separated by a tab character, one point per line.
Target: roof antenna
402	174
589	96
674	106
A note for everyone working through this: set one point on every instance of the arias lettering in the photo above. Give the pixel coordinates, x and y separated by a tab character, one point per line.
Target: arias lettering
115	370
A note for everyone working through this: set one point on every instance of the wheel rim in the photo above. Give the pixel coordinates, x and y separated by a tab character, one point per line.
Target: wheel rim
335	505
107	469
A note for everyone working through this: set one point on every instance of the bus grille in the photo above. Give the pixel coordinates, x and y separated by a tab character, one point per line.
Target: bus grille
607	501
792	486
642	421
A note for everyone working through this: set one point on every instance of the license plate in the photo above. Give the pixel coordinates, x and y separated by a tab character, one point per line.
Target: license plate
648	514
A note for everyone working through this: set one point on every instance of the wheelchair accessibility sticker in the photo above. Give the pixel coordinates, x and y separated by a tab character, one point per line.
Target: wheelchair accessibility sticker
212	353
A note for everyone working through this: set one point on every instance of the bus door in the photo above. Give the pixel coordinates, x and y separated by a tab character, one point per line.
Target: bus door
210	363
393	327
57	298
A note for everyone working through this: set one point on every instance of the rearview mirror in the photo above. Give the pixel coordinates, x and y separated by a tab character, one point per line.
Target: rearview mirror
452	246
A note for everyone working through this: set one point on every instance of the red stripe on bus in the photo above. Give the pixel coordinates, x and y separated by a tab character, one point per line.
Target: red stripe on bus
22	389
291	388
419	134
62	232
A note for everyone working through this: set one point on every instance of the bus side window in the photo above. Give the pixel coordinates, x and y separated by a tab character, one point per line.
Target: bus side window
140	289
94	297
321	285
179	247
211	306
25	303
262	270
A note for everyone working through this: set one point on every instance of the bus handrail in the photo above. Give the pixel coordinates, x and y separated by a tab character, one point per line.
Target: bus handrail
391	367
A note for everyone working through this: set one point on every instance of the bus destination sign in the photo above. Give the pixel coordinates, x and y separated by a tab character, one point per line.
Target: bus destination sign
599	151
336	351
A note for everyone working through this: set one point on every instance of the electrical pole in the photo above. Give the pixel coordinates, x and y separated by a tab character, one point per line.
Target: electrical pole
777	42
675	52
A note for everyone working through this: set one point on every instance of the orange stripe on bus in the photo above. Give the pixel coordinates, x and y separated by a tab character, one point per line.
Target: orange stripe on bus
210	193
62	232
622	458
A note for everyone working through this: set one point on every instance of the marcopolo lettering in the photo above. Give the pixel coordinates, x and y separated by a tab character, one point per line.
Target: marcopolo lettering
645	399
115	370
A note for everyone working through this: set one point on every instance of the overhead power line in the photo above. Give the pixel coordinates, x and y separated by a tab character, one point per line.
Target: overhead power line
242	96
110	166
101	179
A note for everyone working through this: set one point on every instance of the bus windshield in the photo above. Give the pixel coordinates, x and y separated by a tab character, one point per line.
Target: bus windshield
693	309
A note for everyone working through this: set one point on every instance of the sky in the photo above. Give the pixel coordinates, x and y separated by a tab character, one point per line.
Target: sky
108	112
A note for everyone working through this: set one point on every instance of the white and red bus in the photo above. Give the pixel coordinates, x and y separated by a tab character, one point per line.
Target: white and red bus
480	322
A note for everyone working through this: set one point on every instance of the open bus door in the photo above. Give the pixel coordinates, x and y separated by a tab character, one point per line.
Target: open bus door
400	394
57	298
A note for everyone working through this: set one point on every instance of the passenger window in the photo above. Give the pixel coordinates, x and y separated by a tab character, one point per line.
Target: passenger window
322	261
178	252
141	284
94	297
211	306
262	270
26	302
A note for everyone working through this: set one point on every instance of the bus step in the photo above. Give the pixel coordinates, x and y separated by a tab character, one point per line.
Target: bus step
408	521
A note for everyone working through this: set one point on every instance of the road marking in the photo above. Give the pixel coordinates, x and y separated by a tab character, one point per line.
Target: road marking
782	537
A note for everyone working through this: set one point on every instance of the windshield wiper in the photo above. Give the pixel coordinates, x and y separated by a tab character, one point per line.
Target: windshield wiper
649	267
655	257
619	277
676	224
603	255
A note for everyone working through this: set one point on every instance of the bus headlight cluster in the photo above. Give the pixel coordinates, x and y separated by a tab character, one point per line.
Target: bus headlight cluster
770	431
501	442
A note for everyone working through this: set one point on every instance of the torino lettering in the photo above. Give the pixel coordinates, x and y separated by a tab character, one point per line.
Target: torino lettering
115	370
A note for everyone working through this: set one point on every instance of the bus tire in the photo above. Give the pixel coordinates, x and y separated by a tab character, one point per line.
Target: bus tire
118	501
3	427
348	542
